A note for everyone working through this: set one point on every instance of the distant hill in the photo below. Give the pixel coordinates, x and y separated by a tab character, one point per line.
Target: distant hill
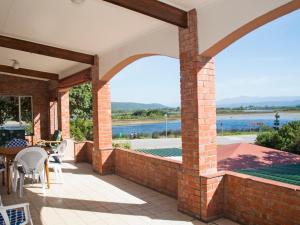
257	101
132	106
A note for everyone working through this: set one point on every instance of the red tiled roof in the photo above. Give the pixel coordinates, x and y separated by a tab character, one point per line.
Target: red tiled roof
243	155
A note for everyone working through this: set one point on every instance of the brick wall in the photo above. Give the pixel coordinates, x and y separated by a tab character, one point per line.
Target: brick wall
154	172
253	200
247	199
83	151
11	85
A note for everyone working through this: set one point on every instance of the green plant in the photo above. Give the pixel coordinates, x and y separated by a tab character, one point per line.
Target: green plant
290	134
82	129
125	145
269	139
287	138
81	102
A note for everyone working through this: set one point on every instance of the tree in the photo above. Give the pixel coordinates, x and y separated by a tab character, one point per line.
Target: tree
8	109
81	102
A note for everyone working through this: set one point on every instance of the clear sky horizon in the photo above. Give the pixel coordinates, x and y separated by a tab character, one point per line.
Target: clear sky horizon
264	63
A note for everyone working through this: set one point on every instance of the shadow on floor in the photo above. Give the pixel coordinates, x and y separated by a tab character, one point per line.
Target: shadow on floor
151	204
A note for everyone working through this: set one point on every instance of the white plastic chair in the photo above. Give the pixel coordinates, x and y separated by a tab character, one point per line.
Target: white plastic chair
30	161
18	214
55	159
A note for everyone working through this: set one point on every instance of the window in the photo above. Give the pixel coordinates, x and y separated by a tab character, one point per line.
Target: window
16	113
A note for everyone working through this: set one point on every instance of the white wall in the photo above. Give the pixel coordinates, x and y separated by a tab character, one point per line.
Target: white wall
161	41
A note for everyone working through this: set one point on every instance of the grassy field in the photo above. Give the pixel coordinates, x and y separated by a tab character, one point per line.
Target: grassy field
225	112
141	121
240	112
231	133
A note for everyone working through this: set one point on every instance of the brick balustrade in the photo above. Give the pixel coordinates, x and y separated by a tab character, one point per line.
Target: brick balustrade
83	151
155	172
253	200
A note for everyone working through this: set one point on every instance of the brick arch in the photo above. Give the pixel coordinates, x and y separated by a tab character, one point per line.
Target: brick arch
121	65
251	26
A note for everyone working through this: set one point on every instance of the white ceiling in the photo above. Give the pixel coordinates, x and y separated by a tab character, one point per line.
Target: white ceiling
112	32
93	27
188	4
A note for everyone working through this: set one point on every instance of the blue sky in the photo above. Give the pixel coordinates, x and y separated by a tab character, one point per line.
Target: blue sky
264	63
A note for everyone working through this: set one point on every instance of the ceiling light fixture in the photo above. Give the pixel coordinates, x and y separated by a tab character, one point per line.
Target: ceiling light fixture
15	64
77	1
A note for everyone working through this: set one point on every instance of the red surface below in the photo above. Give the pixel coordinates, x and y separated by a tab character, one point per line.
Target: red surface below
243	155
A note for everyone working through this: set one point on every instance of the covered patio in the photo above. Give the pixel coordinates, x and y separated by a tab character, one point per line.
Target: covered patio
58	44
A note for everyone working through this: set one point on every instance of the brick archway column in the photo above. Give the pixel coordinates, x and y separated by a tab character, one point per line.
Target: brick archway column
53	120
198	117
103	156
53	109
64	112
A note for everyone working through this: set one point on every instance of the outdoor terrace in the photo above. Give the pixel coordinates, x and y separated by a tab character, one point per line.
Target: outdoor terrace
61	45
88	198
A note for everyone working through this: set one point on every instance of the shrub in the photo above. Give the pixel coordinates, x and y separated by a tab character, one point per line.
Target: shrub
125	145
290	134
287	138
82	129
269	139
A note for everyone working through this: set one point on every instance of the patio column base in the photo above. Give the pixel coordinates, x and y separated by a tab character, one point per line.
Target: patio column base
201	196
189	194
104	161
212	196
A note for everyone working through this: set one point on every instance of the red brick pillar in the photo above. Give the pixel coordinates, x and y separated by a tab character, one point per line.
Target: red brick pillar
53	107
198	117
53	120
64	113
103	156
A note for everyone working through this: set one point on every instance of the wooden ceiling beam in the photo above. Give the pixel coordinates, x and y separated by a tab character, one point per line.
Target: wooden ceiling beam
32	47
78	78
155	9
29	73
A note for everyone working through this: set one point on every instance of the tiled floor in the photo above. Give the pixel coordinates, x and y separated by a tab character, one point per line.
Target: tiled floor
87	198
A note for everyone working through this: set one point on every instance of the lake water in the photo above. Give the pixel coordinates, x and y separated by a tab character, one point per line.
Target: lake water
224	122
